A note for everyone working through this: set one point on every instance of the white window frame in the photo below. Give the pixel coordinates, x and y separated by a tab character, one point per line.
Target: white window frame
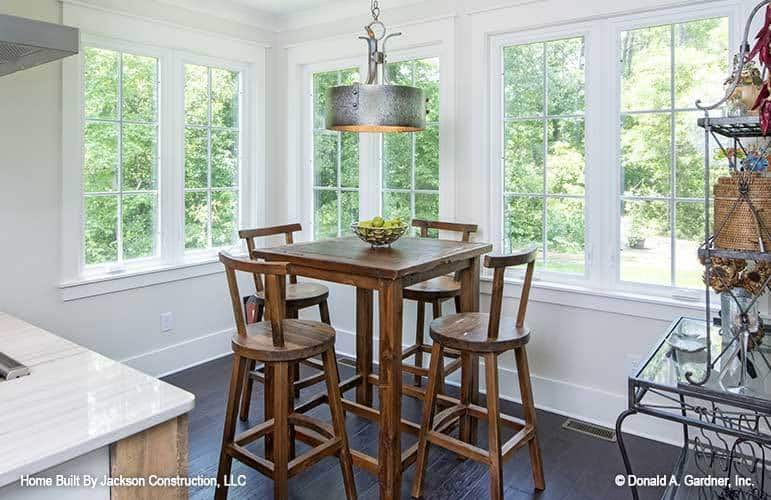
731	10
497	112
172	262
182	59
602	141
161	108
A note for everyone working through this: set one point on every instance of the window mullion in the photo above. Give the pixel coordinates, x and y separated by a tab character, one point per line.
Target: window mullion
208	161
119	204
672	161
544	221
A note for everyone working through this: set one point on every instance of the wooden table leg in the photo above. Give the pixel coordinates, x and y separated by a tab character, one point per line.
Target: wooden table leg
469	302
390	385
364	345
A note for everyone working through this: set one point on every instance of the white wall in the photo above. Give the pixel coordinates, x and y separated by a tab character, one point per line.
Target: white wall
119	325
582	340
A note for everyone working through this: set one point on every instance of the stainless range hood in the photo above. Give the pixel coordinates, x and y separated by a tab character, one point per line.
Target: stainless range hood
25	43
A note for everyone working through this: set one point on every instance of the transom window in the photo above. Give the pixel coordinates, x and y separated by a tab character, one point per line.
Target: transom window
120	163
543	151
664	69
212	134
335	163
410	162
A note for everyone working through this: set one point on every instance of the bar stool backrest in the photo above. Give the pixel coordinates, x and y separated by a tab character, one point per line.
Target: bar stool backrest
499	264
249	236
465	229
275	292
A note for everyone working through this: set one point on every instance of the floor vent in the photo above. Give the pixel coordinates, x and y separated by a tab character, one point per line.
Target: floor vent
590	430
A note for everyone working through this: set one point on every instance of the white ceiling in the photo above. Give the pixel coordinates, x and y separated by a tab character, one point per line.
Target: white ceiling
281	7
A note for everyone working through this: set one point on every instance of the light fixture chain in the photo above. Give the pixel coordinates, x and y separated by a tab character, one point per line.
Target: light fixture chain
375	10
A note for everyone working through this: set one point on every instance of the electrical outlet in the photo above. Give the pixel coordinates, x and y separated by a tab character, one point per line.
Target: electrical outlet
167	322
632	363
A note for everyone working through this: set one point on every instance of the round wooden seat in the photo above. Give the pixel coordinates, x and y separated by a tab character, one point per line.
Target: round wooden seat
468	332
443	287
300	295
302	340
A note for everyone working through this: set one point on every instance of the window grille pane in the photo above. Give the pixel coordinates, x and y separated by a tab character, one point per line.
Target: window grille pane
140	157
100	161
565	156
646	154
139	88
645	242
646	66
224	98
523	88
565	235
523	156
101	229
139	225
196	95
100	82
196	220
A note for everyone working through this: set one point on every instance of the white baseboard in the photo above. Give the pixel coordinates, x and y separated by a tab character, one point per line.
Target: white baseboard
556	396
560	397
177	357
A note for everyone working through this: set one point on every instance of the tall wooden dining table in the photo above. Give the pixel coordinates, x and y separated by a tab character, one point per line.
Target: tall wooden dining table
408	261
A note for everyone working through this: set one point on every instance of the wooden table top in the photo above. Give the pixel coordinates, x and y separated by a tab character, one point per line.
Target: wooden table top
349	254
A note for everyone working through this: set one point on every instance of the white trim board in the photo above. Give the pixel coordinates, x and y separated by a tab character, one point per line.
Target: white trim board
183	355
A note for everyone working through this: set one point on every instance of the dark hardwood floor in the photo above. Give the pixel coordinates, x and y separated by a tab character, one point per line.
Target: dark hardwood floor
577	467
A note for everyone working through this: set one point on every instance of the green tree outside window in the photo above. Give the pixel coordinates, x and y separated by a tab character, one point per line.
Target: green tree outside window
410	162
120	162
335	163
664	69
212	126
543	148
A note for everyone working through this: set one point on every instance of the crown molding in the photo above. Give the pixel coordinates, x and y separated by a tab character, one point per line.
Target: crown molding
90	4
230	11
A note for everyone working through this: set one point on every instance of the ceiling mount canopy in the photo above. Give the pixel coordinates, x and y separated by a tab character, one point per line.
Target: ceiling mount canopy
376	105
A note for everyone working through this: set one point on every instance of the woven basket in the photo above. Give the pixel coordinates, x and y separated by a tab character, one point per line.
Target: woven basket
378	236
740	230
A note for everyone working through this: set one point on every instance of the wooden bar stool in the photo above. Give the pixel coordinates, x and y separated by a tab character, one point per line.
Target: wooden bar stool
280	343
486	335
434	291
298	296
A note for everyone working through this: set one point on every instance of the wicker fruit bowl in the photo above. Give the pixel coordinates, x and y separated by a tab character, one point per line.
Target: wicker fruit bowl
379	236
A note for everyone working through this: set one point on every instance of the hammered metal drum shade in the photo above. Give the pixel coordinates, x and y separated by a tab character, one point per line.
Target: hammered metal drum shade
376	108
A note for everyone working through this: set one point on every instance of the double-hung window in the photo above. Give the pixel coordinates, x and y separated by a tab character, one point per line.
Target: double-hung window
410	162
120	157
542	128
162	158
335	163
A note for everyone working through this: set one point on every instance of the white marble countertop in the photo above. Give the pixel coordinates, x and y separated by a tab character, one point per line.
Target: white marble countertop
73	402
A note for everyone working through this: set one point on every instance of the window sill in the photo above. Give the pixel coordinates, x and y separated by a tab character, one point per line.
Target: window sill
102	284
611	301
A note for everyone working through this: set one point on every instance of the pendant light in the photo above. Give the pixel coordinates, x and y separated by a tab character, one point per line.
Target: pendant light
376	105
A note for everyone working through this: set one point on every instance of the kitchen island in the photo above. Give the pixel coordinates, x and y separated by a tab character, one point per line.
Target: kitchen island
84	426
